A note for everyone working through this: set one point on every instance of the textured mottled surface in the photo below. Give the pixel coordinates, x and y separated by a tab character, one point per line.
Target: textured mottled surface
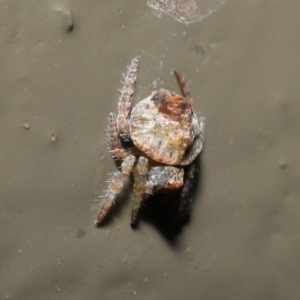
57	88
186	11
163	126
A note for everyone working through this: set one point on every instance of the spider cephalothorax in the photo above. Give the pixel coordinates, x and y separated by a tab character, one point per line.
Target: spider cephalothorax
167	137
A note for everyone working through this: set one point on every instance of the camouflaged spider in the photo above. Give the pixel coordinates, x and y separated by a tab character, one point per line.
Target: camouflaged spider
167	136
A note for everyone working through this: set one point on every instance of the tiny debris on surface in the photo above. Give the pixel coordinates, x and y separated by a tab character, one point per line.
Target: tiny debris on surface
26	126
67	18
53	138
186	11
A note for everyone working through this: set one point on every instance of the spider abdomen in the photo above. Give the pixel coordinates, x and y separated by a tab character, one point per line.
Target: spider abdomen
162	126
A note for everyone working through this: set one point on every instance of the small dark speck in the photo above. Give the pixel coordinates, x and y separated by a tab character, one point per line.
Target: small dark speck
159	143
199	49
70	28
81	233
283	164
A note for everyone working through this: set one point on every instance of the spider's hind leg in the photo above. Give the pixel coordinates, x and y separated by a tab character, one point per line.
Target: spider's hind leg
163	178
141	188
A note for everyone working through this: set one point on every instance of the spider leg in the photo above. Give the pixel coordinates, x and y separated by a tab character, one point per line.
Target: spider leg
183	85
160	178
140	189
197	145
115	186
166	178
173	178
125	98
114	142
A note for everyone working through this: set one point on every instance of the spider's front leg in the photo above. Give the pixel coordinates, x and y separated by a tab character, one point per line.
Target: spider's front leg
183	85
114	143
115	186
118	179
125	99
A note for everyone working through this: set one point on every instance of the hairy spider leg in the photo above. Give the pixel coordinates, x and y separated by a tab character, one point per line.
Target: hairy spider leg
160	178
115	186
114	142
165	178
140	189
117	126
183	85
197	145
125	98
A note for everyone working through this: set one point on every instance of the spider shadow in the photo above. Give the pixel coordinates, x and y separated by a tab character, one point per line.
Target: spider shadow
164	210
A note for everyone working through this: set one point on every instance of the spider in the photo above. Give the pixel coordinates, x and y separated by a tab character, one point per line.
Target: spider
166	137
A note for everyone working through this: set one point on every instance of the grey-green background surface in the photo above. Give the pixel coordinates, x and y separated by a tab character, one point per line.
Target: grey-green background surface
56	88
